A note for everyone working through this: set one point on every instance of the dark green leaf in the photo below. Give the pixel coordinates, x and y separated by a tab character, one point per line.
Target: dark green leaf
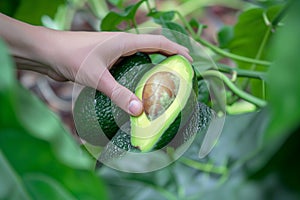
194	23
131	10
31	11
203	92
284	78
161	17
30	156
111	21
7	85
34	144
10	185
225	35
45	187
197	26
9	7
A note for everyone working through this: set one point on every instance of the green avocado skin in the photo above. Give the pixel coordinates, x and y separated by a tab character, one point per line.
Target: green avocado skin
92	108
125	72
197	121
110	118
180	127
182	121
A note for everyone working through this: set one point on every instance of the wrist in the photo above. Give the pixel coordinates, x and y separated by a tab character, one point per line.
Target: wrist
27	43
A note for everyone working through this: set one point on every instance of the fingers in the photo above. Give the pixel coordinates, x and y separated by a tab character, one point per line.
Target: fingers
131	43
120	95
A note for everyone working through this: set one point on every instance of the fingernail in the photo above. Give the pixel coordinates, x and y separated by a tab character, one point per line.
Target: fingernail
135	107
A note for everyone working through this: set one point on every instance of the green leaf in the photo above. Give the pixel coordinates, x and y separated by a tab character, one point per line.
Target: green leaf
197	25
31	11
49	128
176	33
236	156
113	19
7	86
284	78
7	77
9	7
131	10
203	92
252	35
45	187
33	143
225	35
28	155
10	185
162	16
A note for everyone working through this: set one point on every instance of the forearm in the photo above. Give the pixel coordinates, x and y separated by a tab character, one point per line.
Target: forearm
26	43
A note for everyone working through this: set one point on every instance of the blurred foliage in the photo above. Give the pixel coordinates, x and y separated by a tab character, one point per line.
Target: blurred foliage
253	30
38	158
30	11
246	161
255	157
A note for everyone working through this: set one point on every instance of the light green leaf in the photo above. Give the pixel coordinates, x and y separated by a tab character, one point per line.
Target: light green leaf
7	77
45	187
43	124
33	141
176	33
252	35
118	3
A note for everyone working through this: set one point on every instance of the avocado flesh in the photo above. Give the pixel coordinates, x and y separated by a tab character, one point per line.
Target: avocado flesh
145	133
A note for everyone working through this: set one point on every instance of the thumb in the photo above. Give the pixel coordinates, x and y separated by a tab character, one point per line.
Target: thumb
120	95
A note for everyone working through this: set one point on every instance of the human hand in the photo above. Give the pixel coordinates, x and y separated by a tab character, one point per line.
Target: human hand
82	57
86	57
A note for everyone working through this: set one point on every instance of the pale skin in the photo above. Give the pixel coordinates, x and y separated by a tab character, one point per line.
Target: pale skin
82	57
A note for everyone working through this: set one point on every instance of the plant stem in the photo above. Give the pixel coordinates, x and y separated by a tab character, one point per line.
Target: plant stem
209	168
282	13
186	24
241	72
217	49
135	26
148	5
262	46
252	99
231	55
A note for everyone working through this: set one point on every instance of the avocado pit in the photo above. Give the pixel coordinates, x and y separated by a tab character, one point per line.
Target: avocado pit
159	92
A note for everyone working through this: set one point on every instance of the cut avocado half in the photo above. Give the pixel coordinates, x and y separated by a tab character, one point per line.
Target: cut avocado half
170	85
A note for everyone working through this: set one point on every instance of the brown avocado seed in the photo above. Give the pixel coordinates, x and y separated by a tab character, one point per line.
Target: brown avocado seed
159	92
